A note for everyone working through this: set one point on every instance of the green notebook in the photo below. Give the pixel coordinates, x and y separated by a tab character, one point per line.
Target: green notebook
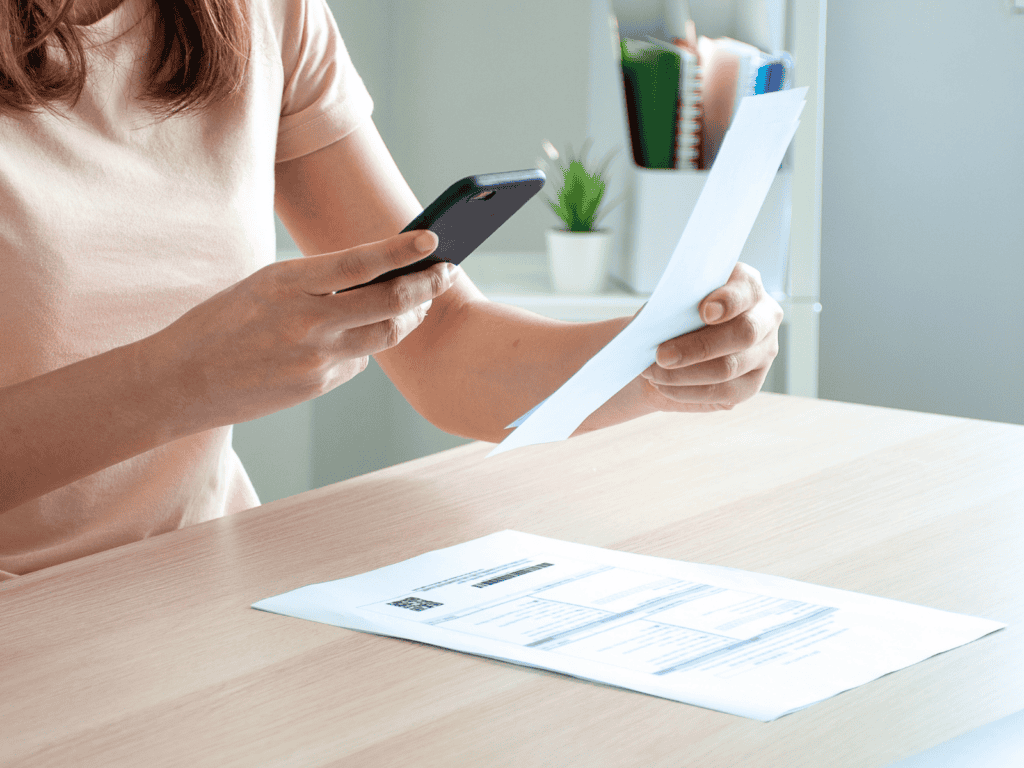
651	78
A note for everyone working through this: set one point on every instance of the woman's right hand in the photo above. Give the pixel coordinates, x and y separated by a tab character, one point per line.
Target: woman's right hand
282	335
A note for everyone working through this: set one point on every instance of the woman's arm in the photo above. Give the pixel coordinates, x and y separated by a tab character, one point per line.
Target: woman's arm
474	366
277	338
69	423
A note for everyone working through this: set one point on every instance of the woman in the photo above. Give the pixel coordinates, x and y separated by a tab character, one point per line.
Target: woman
143	148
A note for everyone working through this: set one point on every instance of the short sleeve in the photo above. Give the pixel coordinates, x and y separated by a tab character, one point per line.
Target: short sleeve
324	98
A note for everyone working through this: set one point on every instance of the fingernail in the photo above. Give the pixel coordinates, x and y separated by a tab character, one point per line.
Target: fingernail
452	270
424	243
713	311
669	358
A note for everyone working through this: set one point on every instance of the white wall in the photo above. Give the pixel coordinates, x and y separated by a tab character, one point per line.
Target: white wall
923	207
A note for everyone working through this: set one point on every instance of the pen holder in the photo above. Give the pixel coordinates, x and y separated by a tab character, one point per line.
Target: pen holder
659	205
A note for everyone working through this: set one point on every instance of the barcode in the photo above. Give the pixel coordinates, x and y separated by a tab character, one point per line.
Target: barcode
512	575
415	603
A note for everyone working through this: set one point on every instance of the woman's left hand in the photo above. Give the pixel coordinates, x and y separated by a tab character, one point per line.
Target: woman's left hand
726	362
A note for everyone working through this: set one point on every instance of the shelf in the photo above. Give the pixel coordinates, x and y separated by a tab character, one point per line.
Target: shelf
522	280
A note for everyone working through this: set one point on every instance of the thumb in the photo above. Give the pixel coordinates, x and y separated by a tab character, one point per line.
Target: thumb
740	293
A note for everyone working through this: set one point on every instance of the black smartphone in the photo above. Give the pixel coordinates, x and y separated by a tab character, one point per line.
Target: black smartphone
467	213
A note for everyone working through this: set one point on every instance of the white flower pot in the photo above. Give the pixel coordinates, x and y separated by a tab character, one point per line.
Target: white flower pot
578	260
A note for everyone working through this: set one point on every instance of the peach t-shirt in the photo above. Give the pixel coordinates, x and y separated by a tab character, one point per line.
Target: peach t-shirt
113	224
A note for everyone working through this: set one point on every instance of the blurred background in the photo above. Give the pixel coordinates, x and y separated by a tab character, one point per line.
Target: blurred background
921	192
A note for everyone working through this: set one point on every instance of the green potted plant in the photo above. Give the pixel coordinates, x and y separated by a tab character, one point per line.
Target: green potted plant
578	249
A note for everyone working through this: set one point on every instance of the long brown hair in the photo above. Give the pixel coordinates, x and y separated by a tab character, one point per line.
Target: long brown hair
199	55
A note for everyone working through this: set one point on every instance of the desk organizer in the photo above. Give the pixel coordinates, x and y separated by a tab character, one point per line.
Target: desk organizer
659	203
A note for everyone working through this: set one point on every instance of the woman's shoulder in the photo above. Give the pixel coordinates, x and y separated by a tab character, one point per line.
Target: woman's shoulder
292	23
288	13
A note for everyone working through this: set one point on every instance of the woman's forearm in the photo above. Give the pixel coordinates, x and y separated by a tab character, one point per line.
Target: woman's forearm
79	419
495	362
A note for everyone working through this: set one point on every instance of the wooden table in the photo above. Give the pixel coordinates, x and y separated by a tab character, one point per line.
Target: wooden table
149	655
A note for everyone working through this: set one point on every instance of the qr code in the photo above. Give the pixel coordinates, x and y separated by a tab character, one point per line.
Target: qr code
414	603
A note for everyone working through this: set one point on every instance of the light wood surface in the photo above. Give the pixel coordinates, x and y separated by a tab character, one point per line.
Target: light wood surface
149	655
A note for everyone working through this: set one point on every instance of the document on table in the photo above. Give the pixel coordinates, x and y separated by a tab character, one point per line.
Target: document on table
702	261
720	638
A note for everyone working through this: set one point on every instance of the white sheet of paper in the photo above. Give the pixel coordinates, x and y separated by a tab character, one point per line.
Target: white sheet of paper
720	638
702	261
